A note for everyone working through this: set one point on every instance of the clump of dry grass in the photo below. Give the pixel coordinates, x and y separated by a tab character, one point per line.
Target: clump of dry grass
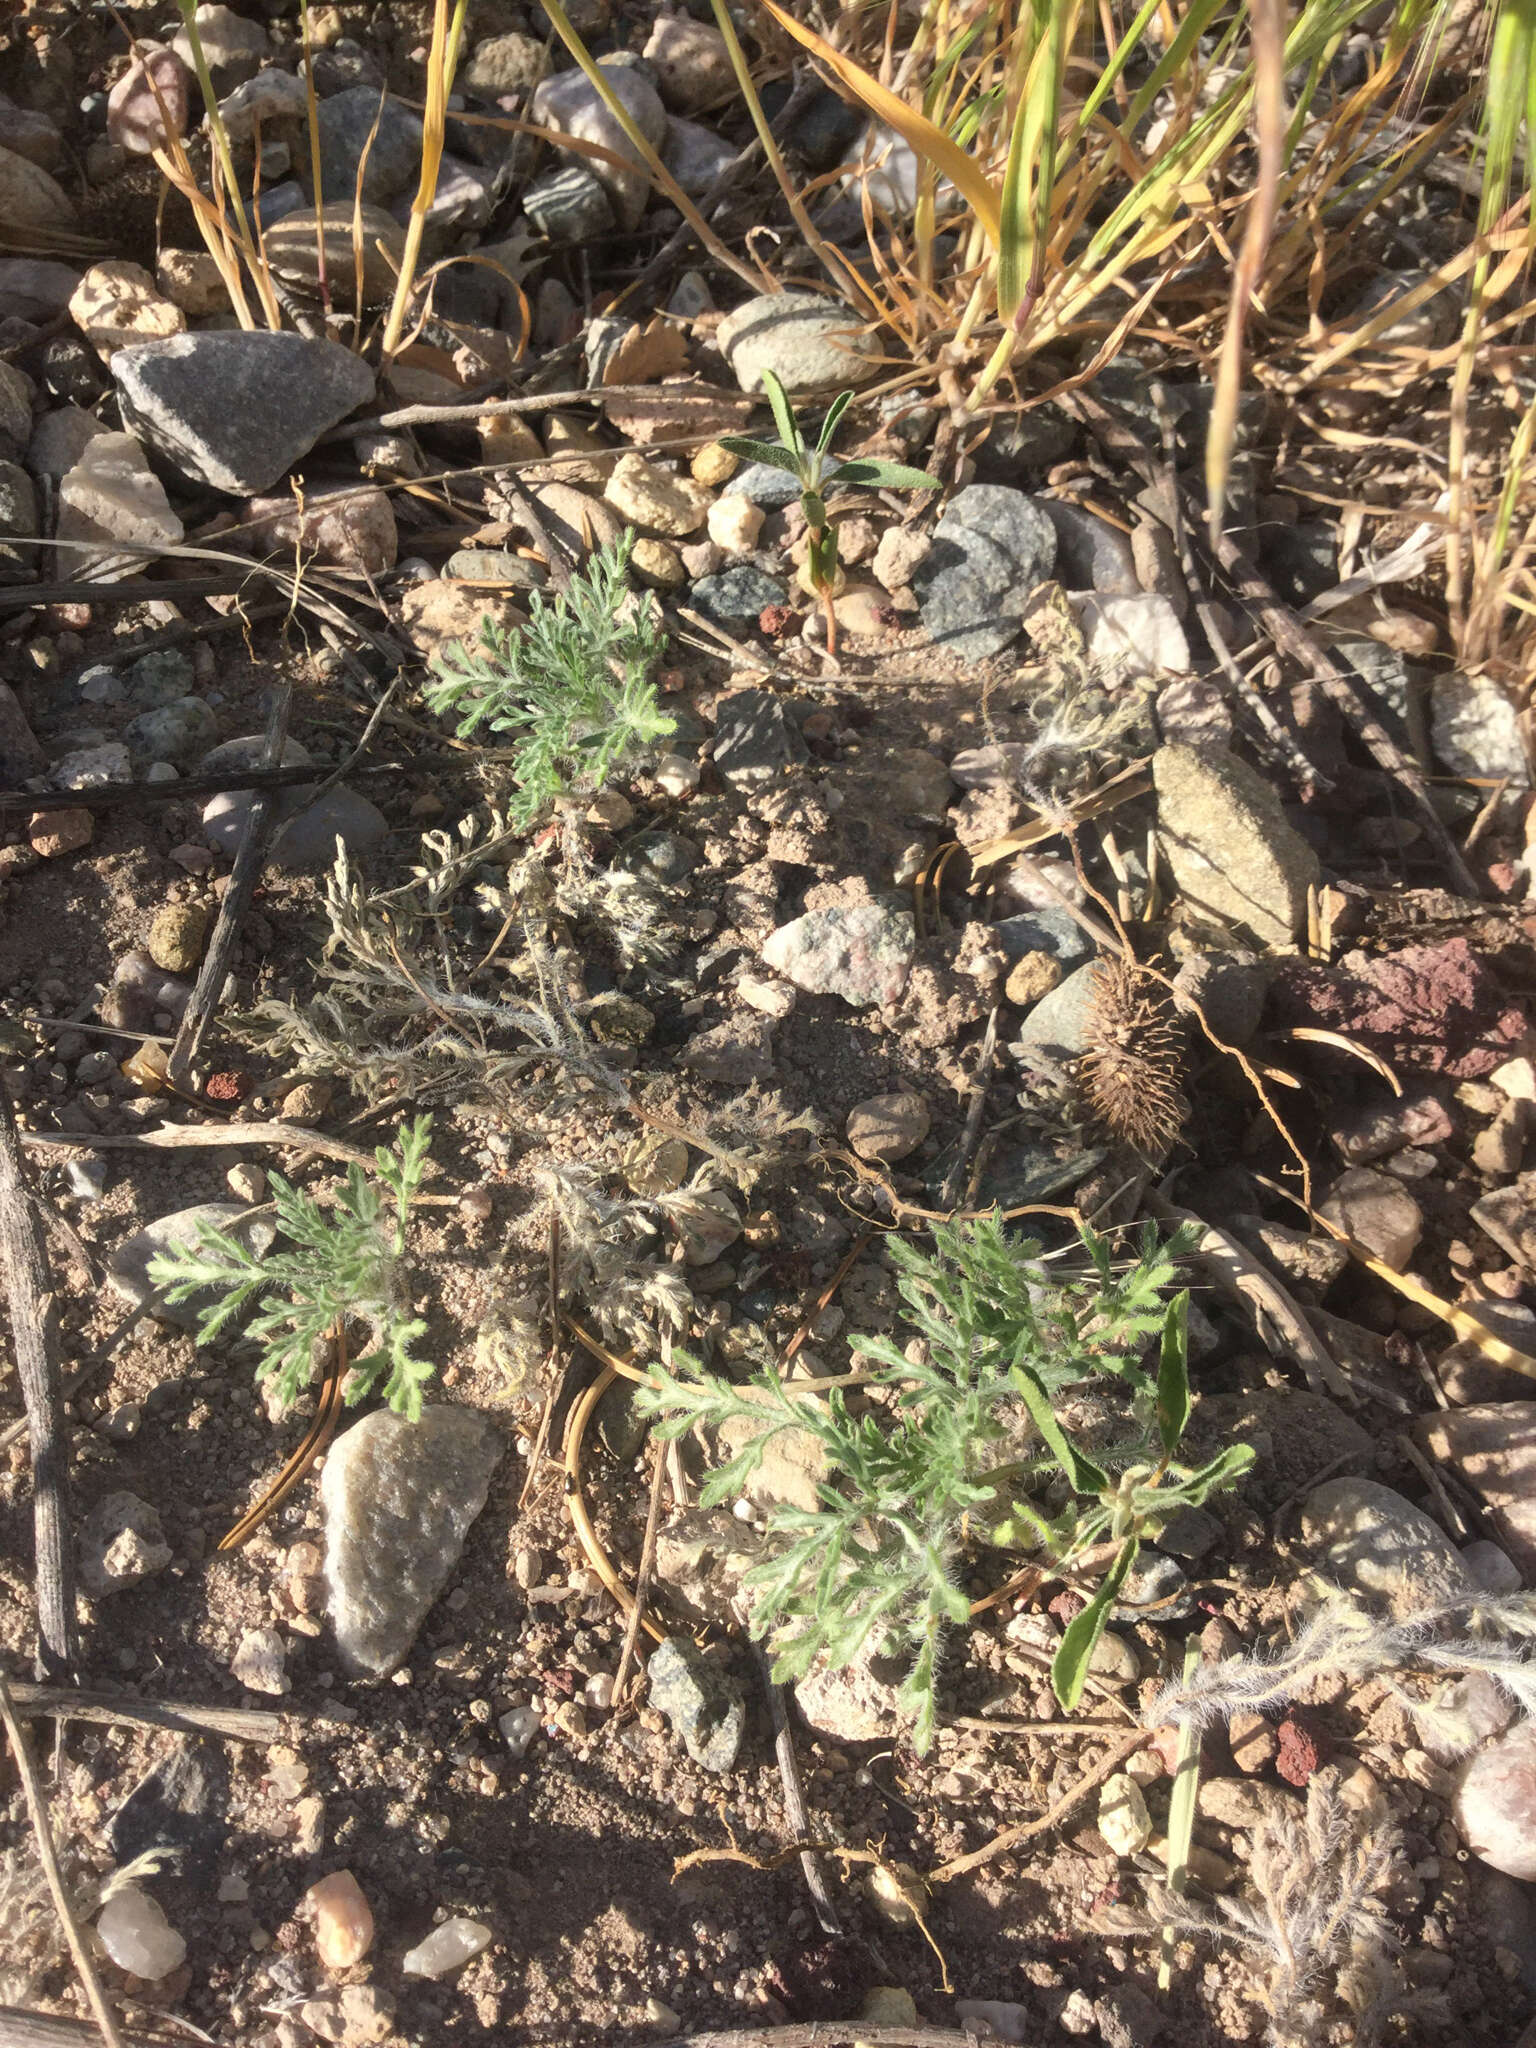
1129	1075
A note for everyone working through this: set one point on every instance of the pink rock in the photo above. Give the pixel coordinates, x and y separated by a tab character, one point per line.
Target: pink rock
1436	1009
1495	1803
136	118
351	527
343	1920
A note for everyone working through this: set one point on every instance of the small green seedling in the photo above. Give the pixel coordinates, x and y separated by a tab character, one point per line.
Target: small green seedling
572	688
814	469
345	1264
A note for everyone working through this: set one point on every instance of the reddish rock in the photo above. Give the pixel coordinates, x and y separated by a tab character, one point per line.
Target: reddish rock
225	1087
1067	1606
1436	1009
51	833
1303	1747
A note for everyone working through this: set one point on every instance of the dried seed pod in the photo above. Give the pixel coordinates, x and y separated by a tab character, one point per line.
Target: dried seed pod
1129	1074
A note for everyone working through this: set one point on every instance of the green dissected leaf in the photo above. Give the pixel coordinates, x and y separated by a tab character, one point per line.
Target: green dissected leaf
764	451
1083	1475
885	476
1173	1374
1069	1666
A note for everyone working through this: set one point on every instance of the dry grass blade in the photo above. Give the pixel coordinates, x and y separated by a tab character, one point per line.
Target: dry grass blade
442	61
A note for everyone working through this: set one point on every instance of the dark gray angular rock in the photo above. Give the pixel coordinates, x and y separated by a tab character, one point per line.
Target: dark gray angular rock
1090	553
756	739
235	410
399	1498
699	1700
182	1804
740	593
174	732
1051	931
991	549
1057	1025
766	486
394	161
18	516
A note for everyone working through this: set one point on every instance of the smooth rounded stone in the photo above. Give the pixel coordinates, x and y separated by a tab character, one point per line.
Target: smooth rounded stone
1372	1542
888	1127
1494	1806
578	521
270	98
111	498
699	1700
1460	1717
35	288
292	249
569	205
1132	636
349	526
1476	729
647	497
756	739
741	592
32	135
501	66
1493	1569
571	105
346	121
1124	1821
1230	988
1492	1448
232	755
657	565
1377	1211
1430	325
175	732
137	1936
308	839
1114	1660
691	62
447	1948
92	767
148	988
1090	553
1156	1591
810	343
116	303
30	199
695	155
1233	853
233	48
176	394
991	549
734	523
128	1266
771	488
861	952
120	1543
260	1662
398	1500
161	678
465	198
825	127
495	565
343	1920
660	856
176	937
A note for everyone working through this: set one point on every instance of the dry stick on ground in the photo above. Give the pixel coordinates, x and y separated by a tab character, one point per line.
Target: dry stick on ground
1016	1837
643	1576
65	1703
981	1084
824	2034
20	2028
797	1820
112	796
249	862
35	1334
37	1808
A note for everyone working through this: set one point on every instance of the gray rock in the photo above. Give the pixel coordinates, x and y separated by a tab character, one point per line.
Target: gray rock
1057	1025
1045	931
92	767
308	840
699	1700
735	1053
570	104
1230	988
35	288
1372	1542
128	1266
111	495
15	409
30	200
1492	1448
766	486
120	1543
502	65
59	439
18	516
825	128
861	952
399	1498
1233	854
810	343
232	47
1494	1570
156	679
465	197
703	1555
20	754
1090	553
740	593
1459	1716
176	394
1377	1211
1494	1806
1156	1591
569	205
494	565
177	732
394	161
695	155
1302	560
756	739
182	1804
991	549
1476	729
660	856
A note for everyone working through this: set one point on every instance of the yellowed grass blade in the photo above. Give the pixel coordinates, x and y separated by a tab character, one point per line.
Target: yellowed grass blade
1310	1035
929	141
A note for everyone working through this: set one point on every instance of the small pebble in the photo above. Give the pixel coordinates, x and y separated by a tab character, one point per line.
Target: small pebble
246	1182
447	1949
137	1936
343	1920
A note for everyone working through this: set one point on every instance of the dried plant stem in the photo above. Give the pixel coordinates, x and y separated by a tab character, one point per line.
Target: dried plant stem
37	1809
1015	1837
643	1576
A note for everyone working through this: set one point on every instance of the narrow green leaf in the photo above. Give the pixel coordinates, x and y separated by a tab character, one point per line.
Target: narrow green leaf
1069	1666
783	414
762	451
835	411
1083	1475
1173	1374
884	476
